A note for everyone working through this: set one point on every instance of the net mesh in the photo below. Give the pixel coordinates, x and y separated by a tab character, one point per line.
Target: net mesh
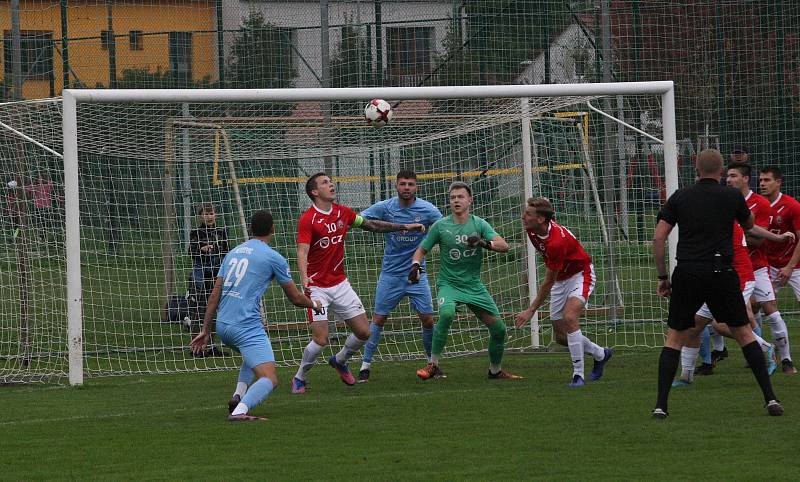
145	169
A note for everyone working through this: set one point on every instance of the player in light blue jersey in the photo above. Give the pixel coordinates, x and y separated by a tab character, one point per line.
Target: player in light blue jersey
393	285
246	272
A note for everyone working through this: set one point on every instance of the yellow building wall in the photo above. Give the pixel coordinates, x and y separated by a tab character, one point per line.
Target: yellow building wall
86	20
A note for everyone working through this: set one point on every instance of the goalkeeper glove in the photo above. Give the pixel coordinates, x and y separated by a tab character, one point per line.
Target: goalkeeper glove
415	273
477	241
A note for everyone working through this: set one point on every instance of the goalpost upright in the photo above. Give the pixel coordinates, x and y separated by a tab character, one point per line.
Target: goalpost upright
71	99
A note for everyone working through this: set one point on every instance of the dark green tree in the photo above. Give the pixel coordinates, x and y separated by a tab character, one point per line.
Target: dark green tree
351	65
499	35
261	56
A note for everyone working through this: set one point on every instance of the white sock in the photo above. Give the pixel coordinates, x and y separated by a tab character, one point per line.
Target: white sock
351	345
575	344
365	365
435	359
717	340
780	335
688	356
241	389
593	349
240	409
762	343
494	368
310	354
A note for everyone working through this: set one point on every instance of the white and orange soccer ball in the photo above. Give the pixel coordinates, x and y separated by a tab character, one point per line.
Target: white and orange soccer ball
378	113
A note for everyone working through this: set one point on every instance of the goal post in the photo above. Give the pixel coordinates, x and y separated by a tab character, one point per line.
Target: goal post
547	98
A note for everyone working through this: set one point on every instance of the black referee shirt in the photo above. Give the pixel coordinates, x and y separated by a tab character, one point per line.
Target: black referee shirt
704	213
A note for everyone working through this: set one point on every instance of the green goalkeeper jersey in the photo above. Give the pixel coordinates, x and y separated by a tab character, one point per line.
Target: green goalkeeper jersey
460	263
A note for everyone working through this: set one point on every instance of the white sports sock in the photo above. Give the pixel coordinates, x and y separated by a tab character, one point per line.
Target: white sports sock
688	356
575	344
780	335
241	389
240	409
762	343
593	349
310	354
351	345
494	368
365	365
717	340
435	359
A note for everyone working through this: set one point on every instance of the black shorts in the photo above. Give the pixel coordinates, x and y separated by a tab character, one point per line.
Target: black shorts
693	285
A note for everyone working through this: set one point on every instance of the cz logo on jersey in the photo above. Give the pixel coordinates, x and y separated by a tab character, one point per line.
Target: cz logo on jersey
456	254
326	241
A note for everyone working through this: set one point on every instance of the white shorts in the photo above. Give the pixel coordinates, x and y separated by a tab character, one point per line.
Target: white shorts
579	285
747	292
340	300
763	291
794	280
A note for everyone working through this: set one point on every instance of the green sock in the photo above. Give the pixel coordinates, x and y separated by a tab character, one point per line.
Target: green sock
446	315
497	341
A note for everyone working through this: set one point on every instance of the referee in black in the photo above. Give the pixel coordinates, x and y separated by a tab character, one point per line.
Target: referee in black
705	213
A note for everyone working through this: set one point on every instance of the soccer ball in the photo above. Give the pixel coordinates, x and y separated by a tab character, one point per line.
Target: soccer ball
378	113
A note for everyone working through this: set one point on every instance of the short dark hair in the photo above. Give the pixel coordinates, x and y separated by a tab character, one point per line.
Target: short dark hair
739	149
460	185
744	168
311	184
261	223
775	171
406	174
205	208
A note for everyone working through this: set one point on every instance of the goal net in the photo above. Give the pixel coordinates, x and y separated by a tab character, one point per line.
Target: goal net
147	166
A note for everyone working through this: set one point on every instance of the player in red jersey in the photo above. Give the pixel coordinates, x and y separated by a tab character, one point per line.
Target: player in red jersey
744	268
321	233
738	176
782	258
569	281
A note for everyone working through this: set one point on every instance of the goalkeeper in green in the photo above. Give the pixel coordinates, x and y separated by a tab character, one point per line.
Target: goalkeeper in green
462	239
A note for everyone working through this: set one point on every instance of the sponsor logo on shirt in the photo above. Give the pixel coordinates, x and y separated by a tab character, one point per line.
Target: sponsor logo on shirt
327	241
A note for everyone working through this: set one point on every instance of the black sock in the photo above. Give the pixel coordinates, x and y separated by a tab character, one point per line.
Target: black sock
667	366
755	358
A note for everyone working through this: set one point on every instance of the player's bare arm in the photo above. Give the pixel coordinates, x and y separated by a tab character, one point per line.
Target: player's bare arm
378	226
198	343
757	232
416	265
495	244
786	272
302	263
299	299
524	317
663	229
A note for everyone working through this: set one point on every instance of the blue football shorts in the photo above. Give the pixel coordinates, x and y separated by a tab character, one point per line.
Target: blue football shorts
251	341
392	289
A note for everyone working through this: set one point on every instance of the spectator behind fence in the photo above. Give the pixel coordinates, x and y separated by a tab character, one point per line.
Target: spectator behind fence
739	154
208	244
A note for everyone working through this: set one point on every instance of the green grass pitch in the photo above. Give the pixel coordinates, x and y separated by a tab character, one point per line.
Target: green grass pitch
398	428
